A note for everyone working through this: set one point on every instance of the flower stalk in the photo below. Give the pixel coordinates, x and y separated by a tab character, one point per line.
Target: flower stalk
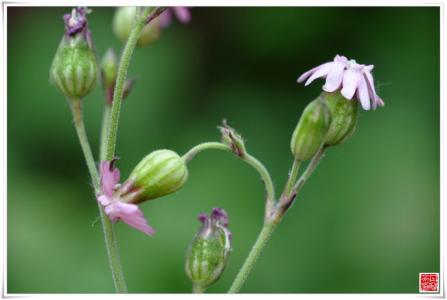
109	234
273	220
123	67
249	159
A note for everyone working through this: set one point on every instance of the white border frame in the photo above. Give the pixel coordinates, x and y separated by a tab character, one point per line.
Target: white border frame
234	3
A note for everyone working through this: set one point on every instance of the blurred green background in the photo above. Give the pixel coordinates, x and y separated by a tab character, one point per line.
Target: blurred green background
368	219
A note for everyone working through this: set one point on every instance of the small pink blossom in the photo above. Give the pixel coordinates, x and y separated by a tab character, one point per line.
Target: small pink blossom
114	207
181	12
349	76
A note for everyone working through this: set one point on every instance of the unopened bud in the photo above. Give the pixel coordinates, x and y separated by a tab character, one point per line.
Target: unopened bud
232	139
123	22
160	173
109	67
208	253
311	131
109	71
343	117
74	66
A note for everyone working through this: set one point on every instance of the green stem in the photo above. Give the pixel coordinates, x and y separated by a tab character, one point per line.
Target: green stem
204	146
252	161
255	252
309	170
76	110
109	235
104	130
292	177
123	67
270	225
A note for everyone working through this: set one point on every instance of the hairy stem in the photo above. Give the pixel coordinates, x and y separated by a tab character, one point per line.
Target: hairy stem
123	67
252	257
309	170
204	146
76	110
109	235
279	212
292	177
104	130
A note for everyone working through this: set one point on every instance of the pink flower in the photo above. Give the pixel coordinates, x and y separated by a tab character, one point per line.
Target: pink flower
113	205
349	76
181	12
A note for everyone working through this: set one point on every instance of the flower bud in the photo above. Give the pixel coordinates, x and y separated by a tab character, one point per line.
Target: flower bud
208	253
160	173
232	139
123	22
311	131
343	115
74	66
109	67
109	70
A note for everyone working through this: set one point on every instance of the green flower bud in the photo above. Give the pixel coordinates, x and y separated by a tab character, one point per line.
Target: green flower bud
344	117
74	67
122	26
232	139
160	173
109	68
208	253
311	131
109	71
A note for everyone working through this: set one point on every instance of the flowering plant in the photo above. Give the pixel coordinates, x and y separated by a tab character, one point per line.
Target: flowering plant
327	121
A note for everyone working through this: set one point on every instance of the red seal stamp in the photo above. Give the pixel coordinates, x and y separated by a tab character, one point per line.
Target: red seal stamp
428	282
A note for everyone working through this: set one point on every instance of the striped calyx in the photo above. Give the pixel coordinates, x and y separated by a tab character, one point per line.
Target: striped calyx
123	22
208	253
74	66
343	117
160	173
311	130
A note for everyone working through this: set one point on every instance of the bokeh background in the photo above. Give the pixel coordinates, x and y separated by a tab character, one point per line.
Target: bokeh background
368	219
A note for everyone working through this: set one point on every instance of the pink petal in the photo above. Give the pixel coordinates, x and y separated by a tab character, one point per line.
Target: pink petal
371	90
110	177
341	59
306	75
363	93
369	68
334	77
112	212
103	199
129	214
182	13
321	71
165	18
349	83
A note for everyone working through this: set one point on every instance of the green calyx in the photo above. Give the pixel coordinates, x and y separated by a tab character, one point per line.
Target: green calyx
311	131
74	67
208	253
205	261
123	22
344	117
160	173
